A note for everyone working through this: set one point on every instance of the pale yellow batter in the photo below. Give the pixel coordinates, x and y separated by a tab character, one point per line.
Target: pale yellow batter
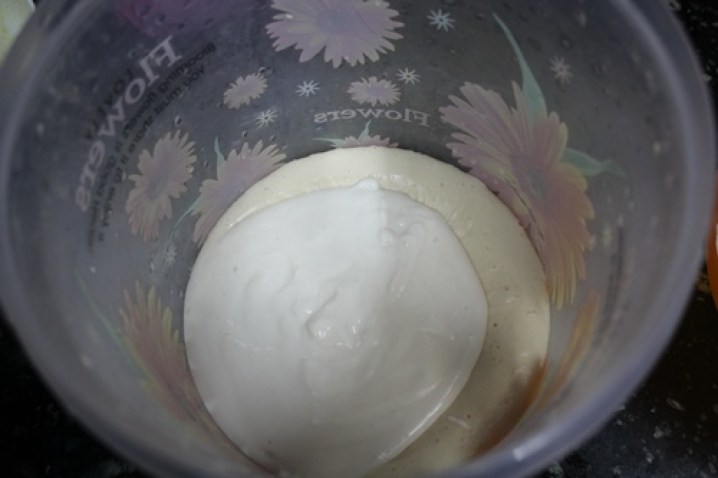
506	373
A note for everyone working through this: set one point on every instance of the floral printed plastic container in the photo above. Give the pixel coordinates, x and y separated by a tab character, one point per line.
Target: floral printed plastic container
128	127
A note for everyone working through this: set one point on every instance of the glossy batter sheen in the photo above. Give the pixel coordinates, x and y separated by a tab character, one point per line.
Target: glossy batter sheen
361	318
310	419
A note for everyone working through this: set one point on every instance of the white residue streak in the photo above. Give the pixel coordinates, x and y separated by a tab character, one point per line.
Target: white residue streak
458	421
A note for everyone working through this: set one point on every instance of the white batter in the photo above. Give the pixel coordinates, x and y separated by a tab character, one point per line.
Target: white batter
327	399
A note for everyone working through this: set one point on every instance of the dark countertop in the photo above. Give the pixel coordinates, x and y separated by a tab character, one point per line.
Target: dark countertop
668	427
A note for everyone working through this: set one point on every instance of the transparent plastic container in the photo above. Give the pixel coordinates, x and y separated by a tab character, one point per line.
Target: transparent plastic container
119	118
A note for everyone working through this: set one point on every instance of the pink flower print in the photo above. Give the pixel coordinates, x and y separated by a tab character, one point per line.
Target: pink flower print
163	174
347	30
234	175
521	160
374	91
244	90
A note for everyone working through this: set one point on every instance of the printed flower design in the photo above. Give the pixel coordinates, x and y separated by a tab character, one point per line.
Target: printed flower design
347	30
170	255
308	88
154	343
440	20
374	91
407	76
163	175
234	175
519	158
561	70
164	257
265	118
244	90
364	139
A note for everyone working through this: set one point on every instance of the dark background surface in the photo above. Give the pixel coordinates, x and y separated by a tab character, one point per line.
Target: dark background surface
668	428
